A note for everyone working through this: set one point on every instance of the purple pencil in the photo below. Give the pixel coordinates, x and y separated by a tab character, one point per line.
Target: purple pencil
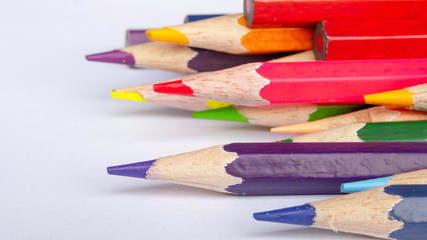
281	168
177	58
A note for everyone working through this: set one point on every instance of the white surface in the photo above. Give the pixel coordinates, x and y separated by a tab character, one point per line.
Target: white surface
61	129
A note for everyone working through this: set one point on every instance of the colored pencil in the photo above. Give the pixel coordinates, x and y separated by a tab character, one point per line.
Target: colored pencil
393	212
414	98
145	93
412	178
369	115
280	168
371	39
321	82
277	115
413	131
177	58
229	34
297	13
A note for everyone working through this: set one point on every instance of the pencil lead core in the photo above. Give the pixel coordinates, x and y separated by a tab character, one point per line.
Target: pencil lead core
138	170
299	215
133	96
167	34
115	56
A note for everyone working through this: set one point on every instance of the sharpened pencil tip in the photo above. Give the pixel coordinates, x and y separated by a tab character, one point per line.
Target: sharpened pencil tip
359	186
133	96
115	56
299	215
174	87
229	113
138	170
397	98
167	34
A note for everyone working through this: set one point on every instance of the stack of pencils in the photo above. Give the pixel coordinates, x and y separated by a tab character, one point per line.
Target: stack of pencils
331	70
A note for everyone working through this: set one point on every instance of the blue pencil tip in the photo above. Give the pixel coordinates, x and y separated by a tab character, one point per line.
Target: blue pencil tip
138	170
299	215
364	185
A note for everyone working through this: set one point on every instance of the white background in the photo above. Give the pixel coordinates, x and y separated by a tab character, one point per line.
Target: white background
60	129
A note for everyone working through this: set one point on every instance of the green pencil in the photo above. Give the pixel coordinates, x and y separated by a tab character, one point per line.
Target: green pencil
277	116
412	131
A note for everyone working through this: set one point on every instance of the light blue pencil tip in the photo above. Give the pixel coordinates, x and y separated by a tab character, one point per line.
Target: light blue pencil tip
353	187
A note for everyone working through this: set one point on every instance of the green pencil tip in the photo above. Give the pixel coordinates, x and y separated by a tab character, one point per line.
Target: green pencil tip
286	140
226	113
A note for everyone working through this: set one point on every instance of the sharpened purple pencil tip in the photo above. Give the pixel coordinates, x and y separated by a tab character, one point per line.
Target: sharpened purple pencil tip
138	170
115	56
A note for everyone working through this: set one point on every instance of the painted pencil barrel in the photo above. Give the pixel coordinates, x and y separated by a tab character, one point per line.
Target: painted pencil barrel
297	13
414	178
371	39
392	212
281	168
134	37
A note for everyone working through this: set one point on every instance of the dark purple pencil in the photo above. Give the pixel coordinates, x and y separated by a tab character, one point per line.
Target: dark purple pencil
281	168
177	58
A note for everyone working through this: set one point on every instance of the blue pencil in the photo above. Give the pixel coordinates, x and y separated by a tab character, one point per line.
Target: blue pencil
415	177
396	211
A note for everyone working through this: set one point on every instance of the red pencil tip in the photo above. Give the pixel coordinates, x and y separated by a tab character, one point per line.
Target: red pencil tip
174	87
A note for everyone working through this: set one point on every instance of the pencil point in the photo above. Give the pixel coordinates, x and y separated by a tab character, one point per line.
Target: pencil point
173	87
138	170
299	215
115	56
167	35
226	113
399	98
133	96
212	104
299	128
364	185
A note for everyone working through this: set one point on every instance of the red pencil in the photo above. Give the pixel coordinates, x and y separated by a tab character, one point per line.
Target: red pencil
323	82
298	13
371	39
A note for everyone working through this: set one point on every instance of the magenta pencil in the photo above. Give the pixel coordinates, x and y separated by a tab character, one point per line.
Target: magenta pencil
323	82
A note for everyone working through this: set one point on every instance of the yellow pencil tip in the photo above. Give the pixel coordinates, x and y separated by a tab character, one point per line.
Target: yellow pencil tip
134	96
167	35
212	104
397	98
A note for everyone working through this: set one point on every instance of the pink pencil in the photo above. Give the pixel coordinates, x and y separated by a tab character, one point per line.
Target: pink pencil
323	82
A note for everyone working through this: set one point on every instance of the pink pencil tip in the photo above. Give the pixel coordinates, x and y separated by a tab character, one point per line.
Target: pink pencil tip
115	56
